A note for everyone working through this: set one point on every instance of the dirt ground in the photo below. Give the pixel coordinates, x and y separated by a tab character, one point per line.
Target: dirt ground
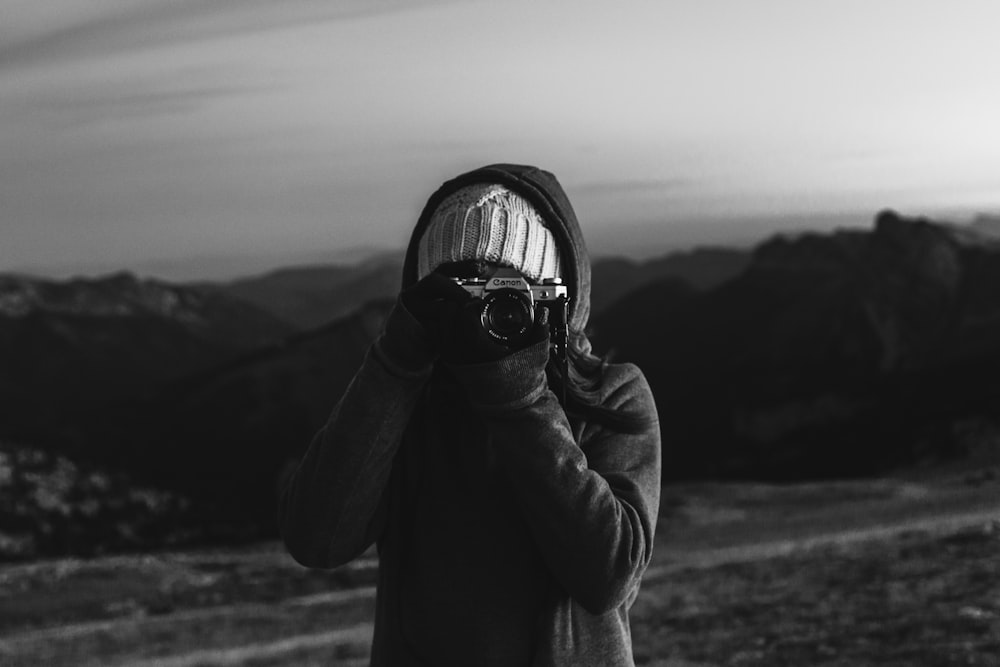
901	571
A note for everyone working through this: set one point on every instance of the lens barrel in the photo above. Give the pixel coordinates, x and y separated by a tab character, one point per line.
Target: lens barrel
507	317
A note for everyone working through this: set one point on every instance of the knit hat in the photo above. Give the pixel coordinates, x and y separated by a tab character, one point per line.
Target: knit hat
490	223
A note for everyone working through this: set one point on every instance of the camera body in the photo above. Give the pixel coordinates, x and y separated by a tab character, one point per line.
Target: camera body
510	304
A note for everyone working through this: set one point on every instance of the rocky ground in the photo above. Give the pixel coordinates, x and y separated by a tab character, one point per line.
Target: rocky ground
880	572
913	599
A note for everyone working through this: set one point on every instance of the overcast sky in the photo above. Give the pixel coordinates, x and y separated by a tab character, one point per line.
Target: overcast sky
194	138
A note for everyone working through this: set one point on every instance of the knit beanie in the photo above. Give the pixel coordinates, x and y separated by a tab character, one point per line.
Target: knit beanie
490	223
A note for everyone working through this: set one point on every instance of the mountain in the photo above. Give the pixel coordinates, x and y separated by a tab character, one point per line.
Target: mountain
66	348
838	354
225	435
702	268
311	296
260	408
819	355
986	223
122	295
200	394
166	410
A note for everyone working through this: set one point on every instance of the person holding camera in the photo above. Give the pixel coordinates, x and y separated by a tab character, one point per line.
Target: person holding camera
509	477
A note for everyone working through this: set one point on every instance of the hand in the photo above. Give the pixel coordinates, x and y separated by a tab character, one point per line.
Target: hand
540	332
468	342
434	302
518	376
411	340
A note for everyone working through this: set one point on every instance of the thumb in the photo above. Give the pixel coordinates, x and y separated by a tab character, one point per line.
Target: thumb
542	315
541	329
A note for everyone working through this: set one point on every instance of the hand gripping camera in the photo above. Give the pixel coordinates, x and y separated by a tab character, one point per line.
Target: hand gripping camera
510	303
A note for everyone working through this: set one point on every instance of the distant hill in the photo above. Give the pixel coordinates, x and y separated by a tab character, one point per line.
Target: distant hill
244	421
830	355
818	355
987	223
68	347
701	268
167	410
311	296
122	295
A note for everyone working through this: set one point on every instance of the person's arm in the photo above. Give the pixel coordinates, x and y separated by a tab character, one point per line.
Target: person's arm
591	507
331	508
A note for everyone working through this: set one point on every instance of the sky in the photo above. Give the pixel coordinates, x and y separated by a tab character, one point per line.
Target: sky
194	139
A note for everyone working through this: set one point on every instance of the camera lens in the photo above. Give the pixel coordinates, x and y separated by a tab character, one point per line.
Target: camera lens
507	317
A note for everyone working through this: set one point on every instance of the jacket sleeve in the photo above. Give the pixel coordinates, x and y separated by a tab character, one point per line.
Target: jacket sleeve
332	507
591	506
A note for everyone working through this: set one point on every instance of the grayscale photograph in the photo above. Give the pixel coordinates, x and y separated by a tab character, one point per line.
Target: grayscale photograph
464	333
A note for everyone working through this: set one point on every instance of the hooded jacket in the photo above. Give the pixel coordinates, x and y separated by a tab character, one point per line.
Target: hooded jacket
509	533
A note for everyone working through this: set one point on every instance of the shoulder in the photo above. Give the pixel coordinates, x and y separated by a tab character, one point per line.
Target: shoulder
622	433
624	387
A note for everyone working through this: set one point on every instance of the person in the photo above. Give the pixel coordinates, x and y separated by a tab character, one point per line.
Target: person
512	527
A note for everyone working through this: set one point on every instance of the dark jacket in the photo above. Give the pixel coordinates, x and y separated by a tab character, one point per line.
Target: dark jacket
508	533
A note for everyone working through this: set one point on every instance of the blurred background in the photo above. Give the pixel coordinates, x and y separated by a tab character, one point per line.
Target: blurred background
793	211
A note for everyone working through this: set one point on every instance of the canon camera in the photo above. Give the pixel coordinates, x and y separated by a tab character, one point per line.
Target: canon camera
510	303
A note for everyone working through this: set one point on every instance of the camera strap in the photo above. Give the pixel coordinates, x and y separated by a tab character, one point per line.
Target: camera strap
560	337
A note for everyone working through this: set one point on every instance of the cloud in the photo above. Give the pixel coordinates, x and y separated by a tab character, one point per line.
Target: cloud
122	26
116	103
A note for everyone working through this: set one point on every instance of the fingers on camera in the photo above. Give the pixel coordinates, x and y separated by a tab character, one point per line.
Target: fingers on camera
541	315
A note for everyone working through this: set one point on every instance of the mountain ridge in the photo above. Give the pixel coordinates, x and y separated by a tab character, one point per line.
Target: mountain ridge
813	355
830	354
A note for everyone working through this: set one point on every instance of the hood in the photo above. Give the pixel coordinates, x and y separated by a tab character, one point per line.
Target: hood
544	192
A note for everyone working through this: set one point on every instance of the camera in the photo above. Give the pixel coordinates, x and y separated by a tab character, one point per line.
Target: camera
510	303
